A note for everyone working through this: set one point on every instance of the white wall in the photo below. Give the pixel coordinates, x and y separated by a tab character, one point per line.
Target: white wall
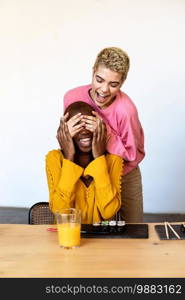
49	46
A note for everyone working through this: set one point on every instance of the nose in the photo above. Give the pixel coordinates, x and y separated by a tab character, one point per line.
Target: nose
105	87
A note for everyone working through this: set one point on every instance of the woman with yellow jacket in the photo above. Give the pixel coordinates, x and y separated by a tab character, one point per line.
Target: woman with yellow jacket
81	174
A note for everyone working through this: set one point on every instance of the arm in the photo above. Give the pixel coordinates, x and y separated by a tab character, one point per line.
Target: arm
62	176
106	172
129	141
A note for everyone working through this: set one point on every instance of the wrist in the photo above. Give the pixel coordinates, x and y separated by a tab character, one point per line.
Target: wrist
96	155
69	157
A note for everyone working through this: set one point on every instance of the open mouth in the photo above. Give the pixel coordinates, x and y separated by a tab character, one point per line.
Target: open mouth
85	142
101	98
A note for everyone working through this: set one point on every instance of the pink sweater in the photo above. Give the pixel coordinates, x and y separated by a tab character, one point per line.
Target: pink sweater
123	125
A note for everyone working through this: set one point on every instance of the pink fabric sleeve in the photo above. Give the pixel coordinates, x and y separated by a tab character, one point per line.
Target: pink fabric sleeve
129	142
67	101
78	94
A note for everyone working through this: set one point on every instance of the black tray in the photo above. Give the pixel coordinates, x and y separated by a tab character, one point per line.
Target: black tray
160	229
129	231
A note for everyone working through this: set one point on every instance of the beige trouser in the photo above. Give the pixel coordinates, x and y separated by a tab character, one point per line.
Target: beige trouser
132	197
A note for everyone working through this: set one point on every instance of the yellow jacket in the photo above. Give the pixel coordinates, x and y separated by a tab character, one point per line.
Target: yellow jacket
100	200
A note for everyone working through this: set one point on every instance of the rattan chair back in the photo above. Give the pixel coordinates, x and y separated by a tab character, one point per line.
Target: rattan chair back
40	213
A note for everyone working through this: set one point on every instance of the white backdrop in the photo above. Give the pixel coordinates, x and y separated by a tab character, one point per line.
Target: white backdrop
49	46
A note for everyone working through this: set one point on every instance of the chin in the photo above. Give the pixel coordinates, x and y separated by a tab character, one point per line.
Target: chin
85	150
103	104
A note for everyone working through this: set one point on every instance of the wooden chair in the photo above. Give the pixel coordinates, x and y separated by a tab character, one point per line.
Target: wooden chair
39	213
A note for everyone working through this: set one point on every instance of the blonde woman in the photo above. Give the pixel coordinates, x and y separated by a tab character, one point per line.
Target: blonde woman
119	113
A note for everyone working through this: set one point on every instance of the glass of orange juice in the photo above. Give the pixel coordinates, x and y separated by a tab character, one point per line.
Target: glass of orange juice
68	227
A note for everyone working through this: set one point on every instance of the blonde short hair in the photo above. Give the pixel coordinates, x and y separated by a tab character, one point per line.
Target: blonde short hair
114	59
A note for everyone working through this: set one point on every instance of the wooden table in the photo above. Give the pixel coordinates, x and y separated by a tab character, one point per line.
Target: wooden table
32	251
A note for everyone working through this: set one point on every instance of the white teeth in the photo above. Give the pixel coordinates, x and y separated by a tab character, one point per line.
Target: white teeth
86	142
85	139
103	96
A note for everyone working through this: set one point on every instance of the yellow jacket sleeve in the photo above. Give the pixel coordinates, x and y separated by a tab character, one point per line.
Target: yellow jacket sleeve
62	176
106	172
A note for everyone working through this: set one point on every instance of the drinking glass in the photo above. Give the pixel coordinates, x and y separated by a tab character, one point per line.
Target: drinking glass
68	227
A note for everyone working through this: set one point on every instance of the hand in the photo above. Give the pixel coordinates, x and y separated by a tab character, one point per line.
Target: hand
91	123
107	130
65	140
75	124
99	139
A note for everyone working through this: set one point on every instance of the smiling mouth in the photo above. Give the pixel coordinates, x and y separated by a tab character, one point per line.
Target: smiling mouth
101	97
85	141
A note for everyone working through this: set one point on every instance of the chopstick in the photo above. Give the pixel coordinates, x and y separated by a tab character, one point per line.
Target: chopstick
176	234
166	230
166	224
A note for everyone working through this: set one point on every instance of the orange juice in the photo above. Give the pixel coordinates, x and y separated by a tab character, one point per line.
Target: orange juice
69	234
